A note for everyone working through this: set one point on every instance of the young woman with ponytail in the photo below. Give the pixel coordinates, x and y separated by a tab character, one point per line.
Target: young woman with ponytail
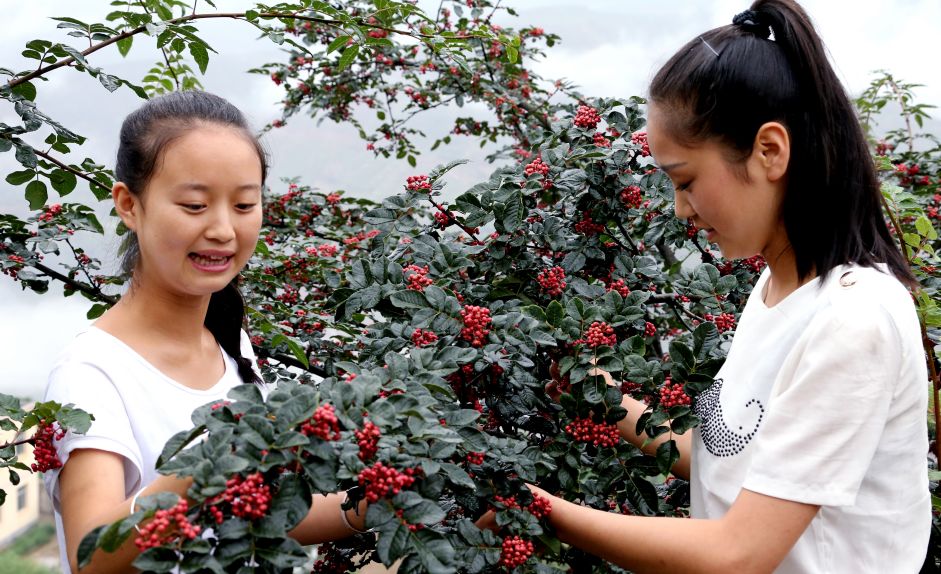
811	455
189	188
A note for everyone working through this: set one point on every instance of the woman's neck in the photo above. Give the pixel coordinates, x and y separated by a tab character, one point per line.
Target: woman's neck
784	278
161	314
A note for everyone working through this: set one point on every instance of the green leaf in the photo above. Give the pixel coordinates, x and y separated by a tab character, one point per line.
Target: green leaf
347	58
36	194
26	90
200	54
338	43
20	177
409	299
124	45
63	181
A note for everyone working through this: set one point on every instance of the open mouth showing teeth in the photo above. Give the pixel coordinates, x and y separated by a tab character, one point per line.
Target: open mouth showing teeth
209	260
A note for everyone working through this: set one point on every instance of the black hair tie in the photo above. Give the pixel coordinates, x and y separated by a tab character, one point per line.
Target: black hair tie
753	22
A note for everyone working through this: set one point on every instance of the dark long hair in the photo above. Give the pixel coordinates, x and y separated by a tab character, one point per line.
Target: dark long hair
725	84
145	134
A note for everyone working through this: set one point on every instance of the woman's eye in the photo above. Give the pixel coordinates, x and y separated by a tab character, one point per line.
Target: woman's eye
683	187
192	206
245	206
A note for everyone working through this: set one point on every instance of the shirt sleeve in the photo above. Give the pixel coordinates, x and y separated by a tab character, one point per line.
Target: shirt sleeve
829	408
245	347
92	390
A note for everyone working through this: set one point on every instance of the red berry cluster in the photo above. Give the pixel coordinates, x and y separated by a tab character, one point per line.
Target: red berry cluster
442	218
599	334
620	286
672	395
330	560
476	458
537	166
756	263
588	227
418	183
600	140
166	526
476	319
50	212
400	514
515	552
540	507
650	329
640	138
380	480
44	451
631	196
421	338
587	117
368	440
552	281
630	387
417	277
249	497
691	229
724	322
588	431
323	424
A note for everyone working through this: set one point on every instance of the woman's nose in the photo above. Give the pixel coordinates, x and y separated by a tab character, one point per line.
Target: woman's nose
681	206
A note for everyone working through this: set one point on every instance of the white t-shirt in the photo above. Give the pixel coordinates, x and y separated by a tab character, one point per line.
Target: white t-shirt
823	400
136	407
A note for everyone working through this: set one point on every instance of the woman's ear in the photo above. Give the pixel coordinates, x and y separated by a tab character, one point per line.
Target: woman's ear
772	149
126	204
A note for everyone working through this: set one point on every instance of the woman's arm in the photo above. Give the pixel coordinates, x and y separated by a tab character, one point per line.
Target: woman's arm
91	494
325	523
754	536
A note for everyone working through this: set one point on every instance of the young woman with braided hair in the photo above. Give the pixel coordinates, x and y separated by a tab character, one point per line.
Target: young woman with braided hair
189	188
811	456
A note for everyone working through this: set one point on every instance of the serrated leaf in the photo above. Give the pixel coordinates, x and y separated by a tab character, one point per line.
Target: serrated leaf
124	45
200	54
347	58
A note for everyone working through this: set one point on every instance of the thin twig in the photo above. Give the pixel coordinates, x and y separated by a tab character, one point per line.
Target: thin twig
78	173
94	292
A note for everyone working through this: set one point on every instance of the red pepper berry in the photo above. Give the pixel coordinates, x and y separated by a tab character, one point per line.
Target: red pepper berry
167	525
552	281
418	183
587	117
323	423
599	434
44	451
368	440
476	319
515	552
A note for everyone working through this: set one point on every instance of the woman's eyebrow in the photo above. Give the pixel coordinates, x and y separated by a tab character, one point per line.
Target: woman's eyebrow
670	166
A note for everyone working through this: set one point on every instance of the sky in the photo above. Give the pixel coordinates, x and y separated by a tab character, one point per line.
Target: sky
609	48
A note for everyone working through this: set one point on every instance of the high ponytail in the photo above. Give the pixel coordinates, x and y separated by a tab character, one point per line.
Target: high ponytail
145	134
770	65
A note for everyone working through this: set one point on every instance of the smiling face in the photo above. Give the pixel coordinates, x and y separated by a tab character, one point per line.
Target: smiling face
742	215
198	220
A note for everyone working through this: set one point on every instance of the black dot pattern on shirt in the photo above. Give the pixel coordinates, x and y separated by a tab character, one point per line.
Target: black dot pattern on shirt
720	440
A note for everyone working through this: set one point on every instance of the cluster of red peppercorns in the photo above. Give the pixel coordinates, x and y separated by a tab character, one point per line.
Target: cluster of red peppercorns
331	561
691	229
515	552
588	227
540	507
417	277
421	338
400	514
476	319
44	451
650	329
586	117
600	140
167	525
537	166
418	183
631	196
756	263
724	322
323	424
368	440
588	431
476	458
599	334
552	281
249	497
630	387
380	480
442	219
50	212
640	138
672	394
620	286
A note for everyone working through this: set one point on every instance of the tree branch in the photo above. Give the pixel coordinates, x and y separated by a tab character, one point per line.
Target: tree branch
78	173
76	285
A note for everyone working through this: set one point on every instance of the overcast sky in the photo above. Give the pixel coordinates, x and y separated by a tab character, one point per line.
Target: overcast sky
609	48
